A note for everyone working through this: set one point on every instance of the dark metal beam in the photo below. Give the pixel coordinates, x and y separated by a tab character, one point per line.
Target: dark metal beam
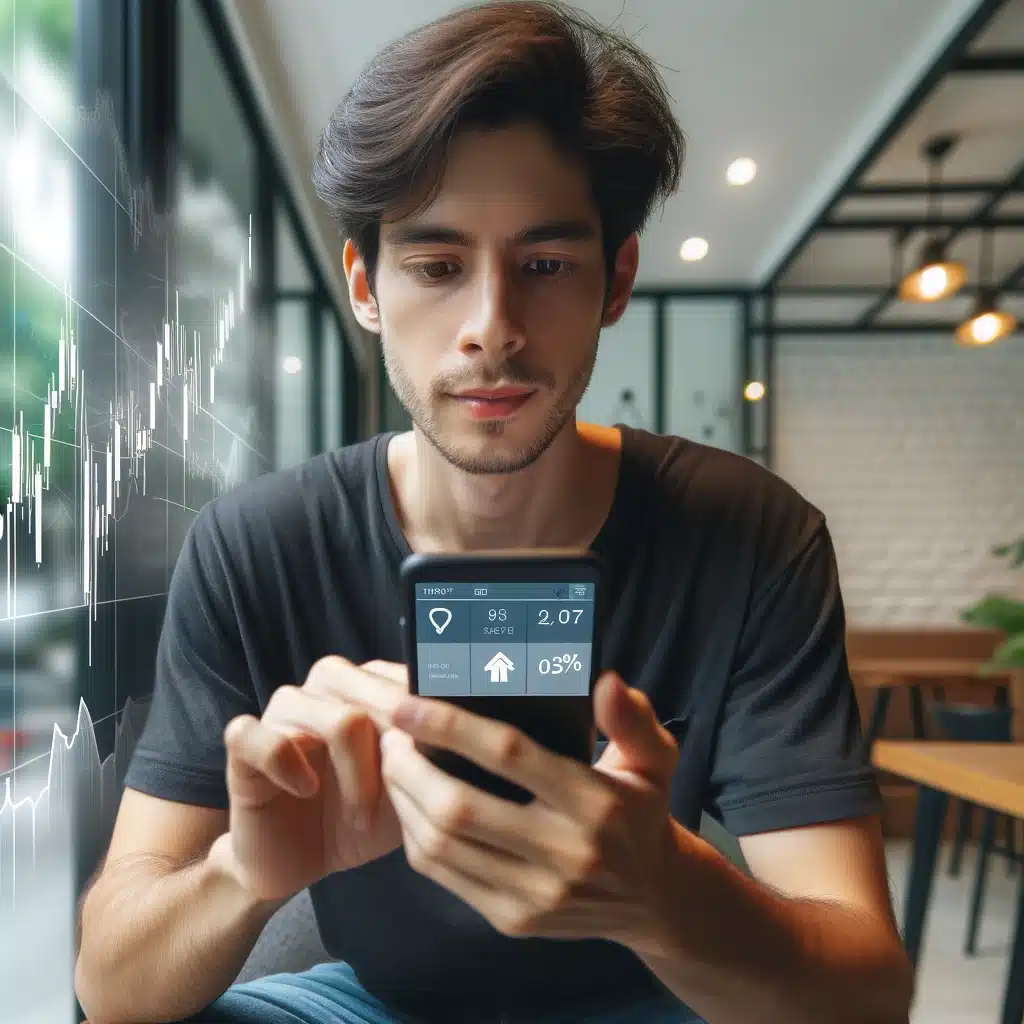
1014	181
726	291
956	49
1007	62
912	188
958	224
843	291
1013	283
747	374
819	329
768	412
660	364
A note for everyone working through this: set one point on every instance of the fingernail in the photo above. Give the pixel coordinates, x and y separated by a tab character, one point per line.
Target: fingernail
409	713
360	821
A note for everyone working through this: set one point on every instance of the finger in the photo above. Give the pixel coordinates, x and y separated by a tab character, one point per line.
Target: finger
378	693
389	669
638	742
351	740
517	898
560	782
489	867
530	832
495	903
262	761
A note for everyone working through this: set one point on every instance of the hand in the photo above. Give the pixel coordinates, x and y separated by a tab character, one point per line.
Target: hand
304	784
589	858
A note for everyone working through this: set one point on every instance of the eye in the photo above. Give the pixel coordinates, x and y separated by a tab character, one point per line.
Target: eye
561	268
426	270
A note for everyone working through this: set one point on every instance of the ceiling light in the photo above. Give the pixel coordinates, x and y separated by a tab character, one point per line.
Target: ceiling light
935	277
754	391
291	364
694	249
741	171
987	323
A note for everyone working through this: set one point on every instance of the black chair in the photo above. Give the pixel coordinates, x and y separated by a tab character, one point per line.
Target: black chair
968	723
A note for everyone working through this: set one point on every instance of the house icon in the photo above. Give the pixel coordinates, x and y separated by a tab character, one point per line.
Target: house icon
499	667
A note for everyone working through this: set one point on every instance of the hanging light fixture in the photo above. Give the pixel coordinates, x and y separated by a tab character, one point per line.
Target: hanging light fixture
936	276
987	323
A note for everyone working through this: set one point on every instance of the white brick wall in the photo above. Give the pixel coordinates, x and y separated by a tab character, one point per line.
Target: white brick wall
914	449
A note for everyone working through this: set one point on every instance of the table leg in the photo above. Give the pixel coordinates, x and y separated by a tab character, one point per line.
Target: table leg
1013	996
878	712
917	712
931	814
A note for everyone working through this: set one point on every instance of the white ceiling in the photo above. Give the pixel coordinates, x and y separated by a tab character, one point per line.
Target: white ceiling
802	86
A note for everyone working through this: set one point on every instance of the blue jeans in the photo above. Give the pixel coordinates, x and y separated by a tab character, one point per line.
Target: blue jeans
330	994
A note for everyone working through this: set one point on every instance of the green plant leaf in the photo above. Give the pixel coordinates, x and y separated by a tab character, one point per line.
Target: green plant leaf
1014	551
1010	654
997	612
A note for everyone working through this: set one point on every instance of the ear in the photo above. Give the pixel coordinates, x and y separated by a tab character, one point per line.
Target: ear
627	260
364	305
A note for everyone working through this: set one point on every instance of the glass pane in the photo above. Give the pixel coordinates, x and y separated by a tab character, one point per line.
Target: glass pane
41	605
292	383
292	270
332	382
217	261
704	391
622	385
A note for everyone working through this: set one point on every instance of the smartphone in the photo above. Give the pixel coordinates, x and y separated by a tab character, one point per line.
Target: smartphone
511	636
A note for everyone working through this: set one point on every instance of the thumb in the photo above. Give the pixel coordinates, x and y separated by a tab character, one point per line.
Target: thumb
637	741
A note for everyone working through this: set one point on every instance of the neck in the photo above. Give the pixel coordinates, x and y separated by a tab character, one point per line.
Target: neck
561	500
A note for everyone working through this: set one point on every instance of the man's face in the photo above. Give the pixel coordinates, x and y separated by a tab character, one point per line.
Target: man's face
490	300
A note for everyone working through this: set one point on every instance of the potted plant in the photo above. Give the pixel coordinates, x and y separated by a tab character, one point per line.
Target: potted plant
1003	613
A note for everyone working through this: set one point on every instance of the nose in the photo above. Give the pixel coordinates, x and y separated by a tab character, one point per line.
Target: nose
493	329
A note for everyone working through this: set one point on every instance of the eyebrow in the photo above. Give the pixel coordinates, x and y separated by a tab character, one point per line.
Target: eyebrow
550	231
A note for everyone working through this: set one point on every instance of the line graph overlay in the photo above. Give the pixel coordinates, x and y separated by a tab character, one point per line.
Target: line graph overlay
128	400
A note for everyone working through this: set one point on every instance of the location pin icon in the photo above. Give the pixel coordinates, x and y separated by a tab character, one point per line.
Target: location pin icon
444	615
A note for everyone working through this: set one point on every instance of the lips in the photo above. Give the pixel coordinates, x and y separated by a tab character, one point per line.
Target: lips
494	403
495	394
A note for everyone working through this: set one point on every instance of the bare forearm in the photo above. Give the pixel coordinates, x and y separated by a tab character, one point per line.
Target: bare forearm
734	951
157	945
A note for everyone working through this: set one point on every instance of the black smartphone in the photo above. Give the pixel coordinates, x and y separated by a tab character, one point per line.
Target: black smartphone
510	636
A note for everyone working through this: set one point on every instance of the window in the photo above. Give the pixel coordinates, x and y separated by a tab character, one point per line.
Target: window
332	382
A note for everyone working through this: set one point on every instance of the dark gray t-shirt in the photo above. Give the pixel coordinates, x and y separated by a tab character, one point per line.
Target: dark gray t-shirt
723	606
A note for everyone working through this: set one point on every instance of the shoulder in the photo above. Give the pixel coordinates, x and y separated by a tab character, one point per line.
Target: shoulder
733	505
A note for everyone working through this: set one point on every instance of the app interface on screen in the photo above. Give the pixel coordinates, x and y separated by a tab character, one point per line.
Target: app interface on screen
504	639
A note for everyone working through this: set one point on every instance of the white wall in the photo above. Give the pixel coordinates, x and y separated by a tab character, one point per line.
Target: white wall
914	449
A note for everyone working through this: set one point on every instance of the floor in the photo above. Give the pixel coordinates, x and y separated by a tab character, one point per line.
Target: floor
952	988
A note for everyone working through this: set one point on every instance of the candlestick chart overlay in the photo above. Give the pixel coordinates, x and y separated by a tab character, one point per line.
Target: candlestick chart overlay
127	402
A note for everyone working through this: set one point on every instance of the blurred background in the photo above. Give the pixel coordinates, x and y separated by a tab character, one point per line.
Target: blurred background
833	293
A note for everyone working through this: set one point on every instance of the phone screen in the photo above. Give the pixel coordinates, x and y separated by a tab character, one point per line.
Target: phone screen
504	639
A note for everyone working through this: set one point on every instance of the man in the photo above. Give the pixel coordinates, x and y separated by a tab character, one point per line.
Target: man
490	173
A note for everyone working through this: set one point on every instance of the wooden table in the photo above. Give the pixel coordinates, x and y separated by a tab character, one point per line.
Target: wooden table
987	774
886	674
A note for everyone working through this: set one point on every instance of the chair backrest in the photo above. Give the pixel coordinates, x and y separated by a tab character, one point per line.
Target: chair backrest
969	723
955	643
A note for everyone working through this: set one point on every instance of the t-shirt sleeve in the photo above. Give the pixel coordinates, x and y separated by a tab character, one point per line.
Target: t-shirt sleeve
788	750
202	680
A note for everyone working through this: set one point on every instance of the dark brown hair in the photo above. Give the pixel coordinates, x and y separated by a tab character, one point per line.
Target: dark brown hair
597	94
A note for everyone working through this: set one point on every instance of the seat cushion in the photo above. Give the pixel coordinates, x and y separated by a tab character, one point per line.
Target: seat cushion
290	942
